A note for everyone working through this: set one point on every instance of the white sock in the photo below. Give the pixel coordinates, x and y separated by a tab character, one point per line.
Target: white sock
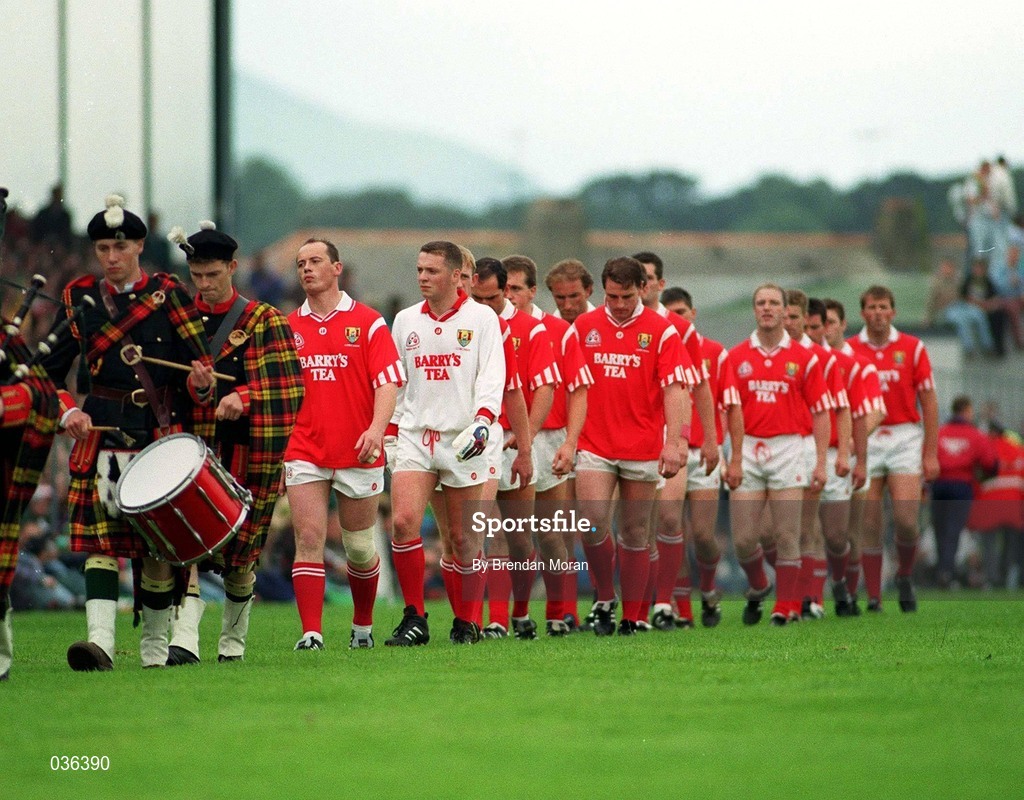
185	626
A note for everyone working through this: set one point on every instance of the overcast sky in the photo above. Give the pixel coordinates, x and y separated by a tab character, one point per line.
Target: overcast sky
722	90
564	90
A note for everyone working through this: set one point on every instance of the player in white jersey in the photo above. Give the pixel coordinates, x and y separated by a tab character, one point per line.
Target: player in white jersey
452	353
349	363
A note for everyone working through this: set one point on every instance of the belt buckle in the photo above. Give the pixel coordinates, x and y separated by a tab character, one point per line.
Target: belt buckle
138	398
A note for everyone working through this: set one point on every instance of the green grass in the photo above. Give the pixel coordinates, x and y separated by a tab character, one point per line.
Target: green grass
887	706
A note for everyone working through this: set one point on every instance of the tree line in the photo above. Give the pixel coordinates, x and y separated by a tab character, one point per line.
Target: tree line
270	203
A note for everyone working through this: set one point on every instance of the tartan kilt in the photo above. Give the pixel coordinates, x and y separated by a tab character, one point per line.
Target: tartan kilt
92	530
245	547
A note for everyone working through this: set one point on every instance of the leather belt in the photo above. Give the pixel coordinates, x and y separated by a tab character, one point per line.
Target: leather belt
136	397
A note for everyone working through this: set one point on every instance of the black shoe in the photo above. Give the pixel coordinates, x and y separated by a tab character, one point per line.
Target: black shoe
411	631
752	612
556	627
874	605
777	619
223	659
464	632
6	676
588	621
627	628
710	609
180	657
663	620
88	657
854	606
494	631
524	629
604	618
908	598
571	623
841	596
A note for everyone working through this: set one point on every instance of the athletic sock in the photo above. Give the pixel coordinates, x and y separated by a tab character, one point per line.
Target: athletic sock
411	569
753	566
309	580
601	558
499	588
554	589
853	577
363	583
633	570
771	555
787	575
871	563
522	584
653	570
681	594
906	554
671	551
838	564
708	570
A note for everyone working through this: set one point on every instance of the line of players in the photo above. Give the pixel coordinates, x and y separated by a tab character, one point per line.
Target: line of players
520	414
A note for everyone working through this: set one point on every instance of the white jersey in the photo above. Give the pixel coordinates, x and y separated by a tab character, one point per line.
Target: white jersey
455	366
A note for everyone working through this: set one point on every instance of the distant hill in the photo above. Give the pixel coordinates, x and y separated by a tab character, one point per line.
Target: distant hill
327	152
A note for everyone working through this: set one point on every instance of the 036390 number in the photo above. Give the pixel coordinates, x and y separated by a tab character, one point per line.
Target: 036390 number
79	763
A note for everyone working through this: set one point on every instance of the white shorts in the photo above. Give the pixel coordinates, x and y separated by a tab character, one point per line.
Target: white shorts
778	462
895	450
837	490
545	445
431	451
697	478
353	482
508	455
646	471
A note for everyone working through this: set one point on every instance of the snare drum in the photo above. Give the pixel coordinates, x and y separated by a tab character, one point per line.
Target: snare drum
181	500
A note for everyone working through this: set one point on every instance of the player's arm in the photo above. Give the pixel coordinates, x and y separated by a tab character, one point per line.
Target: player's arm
370	440
822	430
844	433
705	405
543	397
860	450
734	424
930	448
519	419
677	418
576	409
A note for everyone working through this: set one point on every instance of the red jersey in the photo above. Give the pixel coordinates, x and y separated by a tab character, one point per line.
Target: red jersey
556	328
630	364
835	380
849	371
963	449
721	381
535	357
691	341
903	371
344	357
508	347
780	389
1000	500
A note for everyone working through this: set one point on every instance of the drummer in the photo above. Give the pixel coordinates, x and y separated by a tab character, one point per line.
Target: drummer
125	408
252	342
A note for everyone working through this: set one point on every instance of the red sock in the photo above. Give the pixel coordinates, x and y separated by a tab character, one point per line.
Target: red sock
465	582
522	585
601	558
820	574
308	580
853	577
805	580
670	555
570	595
681	594
906	554
477	586
838	564
653	569
447	573
754	567
499	587
787	576
707	575
554	588
871	563
363	584
771	556
411	569
634	567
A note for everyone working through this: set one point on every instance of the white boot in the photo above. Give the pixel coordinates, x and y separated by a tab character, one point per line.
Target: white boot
97	653
6	645
153	642
234	629
184	647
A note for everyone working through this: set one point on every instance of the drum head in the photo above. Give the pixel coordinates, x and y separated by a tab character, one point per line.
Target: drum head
160	471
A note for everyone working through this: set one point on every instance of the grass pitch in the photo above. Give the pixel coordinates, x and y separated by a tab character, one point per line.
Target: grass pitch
889	706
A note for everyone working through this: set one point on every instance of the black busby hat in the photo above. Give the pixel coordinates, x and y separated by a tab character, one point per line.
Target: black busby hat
209	244
116	222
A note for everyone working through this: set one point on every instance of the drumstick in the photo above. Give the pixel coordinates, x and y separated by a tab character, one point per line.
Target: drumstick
128	440
133	355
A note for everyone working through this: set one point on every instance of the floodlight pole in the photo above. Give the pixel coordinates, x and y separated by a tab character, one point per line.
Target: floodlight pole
223	167
62	93
147	106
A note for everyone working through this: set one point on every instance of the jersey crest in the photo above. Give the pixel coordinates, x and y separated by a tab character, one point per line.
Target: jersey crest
352	334
464	337
299	341
412	341
593	339
791	368
644	340
898	357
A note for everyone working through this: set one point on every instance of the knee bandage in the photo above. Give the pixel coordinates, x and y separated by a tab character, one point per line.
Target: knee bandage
359	546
